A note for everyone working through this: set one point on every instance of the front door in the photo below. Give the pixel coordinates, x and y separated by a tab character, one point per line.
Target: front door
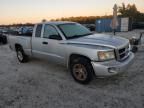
52	49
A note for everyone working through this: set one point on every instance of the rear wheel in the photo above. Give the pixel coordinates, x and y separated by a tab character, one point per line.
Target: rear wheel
81	70
4	40
22	57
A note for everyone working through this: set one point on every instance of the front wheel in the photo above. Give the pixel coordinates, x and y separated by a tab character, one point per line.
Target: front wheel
134	49
22	57
81	70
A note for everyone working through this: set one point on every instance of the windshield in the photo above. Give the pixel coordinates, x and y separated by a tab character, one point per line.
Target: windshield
74	30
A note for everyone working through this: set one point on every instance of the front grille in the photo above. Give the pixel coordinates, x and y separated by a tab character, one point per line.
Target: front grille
121	50
122	53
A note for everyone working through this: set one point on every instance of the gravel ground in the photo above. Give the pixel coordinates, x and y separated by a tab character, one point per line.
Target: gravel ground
39	84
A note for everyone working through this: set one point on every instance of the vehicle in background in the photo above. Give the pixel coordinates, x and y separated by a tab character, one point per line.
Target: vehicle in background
25	31
70	44
3	37
91	27
138	25
136	42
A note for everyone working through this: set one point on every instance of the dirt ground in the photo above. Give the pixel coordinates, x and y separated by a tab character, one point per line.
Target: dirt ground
40	84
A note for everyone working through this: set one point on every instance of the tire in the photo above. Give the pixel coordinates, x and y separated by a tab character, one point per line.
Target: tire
4	40
134	49
0	39
81	70
22	57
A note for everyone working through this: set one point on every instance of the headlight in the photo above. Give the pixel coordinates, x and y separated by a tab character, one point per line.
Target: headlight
129	47
106	55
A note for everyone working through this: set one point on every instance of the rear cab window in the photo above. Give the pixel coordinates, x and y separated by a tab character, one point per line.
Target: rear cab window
38	31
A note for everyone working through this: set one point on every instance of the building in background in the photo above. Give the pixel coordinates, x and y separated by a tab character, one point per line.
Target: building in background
104	25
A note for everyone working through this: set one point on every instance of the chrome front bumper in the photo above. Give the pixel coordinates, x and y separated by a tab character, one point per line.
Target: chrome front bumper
113	67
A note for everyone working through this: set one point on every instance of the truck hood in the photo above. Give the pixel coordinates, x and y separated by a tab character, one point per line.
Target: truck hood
101	40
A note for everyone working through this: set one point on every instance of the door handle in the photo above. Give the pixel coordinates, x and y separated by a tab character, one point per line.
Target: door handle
45	43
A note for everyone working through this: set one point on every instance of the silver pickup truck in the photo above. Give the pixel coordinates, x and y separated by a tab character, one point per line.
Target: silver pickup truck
84	53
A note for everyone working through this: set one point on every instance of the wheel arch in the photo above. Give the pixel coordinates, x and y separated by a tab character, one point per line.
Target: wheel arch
74	56
86	62
17	45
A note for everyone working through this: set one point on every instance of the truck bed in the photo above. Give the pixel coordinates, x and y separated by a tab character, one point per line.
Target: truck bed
23	40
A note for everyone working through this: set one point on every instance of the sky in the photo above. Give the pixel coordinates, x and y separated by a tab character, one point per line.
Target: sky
33	11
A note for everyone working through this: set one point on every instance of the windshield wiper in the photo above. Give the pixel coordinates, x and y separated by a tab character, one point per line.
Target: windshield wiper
87	34
74	36
78	36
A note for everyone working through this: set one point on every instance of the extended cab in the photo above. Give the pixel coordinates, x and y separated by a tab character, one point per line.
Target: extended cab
68	43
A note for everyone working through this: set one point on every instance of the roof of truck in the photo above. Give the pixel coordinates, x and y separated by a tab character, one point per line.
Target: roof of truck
56	22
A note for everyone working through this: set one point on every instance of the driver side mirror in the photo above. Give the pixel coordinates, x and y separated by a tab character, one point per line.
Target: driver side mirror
56	37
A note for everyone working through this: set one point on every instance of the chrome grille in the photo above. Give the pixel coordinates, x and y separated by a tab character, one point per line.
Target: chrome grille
122	53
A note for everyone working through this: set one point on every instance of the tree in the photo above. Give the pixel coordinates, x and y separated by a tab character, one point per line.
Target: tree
82	19
131	12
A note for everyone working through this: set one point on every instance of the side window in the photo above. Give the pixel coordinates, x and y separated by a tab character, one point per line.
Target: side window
51	33
38	30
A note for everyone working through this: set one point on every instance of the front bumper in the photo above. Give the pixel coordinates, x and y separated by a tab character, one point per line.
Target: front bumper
113	67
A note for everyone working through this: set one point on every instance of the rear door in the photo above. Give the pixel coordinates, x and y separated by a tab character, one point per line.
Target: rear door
37	41
52	47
